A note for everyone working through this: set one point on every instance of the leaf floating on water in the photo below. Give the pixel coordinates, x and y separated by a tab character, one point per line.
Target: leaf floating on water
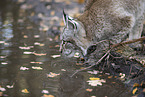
63	70
4	63
39	54
55	56
37	68
27	53
45	91
2	89
56	45
25	91
134	91
136	85
94	78
2	42
36	43
2	56
96	81
24	68
47	95
40	44
26	48
89	90
51	74
8	86
37	62
25	36
36	36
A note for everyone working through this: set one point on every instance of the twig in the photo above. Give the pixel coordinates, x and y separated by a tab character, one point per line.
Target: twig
93	64
129	42
112	47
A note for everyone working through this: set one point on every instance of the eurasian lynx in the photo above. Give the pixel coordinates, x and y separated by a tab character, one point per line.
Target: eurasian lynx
102	20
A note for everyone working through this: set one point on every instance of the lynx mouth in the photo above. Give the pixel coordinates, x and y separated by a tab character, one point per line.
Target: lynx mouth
69	49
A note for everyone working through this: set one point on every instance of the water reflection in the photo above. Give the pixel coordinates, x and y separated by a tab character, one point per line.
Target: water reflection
23	45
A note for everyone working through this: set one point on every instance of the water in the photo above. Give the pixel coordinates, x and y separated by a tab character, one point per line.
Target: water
23	46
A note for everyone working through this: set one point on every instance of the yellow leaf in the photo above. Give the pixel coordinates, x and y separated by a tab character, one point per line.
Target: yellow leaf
134	91
93	78
89	90
47	95
136	85
25	91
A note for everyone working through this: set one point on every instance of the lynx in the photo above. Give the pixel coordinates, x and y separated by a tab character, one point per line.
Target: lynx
102	20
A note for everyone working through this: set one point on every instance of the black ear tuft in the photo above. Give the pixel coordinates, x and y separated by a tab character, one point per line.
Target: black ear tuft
65	18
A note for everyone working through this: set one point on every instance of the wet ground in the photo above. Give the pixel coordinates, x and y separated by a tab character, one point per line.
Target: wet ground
32	66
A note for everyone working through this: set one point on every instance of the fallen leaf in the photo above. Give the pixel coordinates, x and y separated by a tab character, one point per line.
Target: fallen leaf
93	78
45	91
2	42
26	48
29	27
41	44
56	45
25	91
8	86
39	54
24	68
63	70
47	95
55	56
136	85
4	63
37	68
37	43
2	89
25	36
2	56
134	91
110	76
89	90
51	74
96	81
27	53
36	36
37	62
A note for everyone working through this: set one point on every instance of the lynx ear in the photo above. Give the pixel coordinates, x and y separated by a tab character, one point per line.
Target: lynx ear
69	21
72	23
65	19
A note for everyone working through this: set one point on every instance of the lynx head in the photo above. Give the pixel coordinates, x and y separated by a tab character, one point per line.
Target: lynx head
73	37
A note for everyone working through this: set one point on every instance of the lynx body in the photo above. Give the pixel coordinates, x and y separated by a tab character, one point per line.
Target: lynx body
103	20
